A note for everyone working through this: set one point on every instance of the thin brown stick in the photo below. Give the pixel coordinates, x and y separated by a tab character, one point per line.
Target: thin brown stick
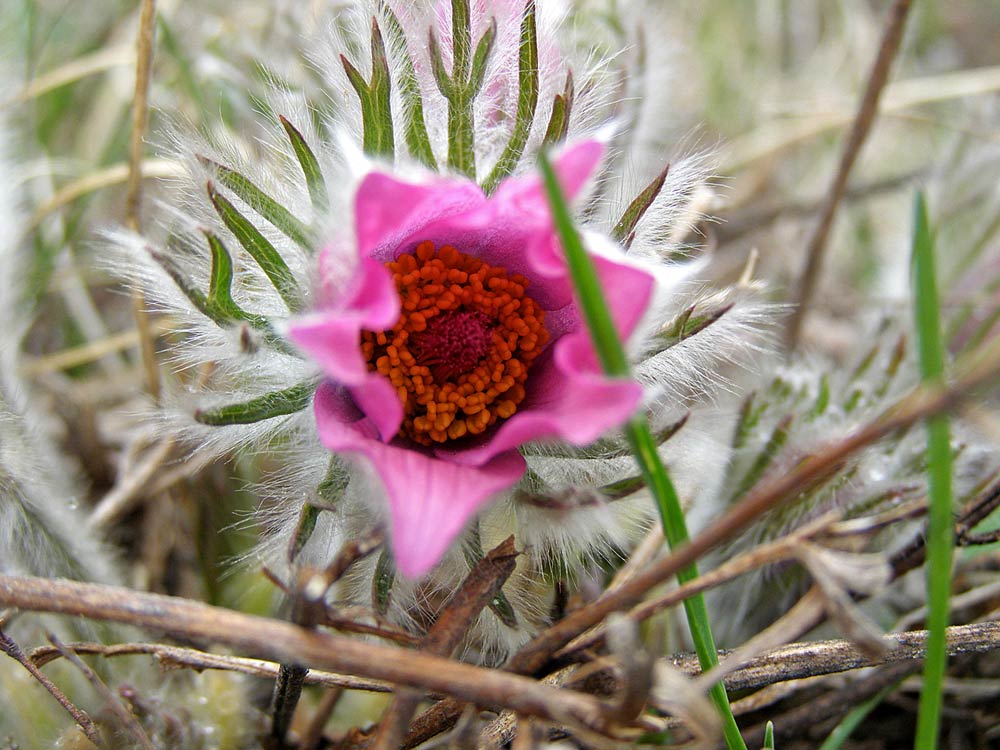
83	720
919	403
878	76
287	643
312	738
480	586
133	194
172	657
124	716
766	554
798	660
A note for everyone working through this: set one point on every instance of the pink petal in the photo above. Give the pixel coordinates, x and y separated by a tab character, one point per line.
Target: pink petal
387	211
332	335
430	499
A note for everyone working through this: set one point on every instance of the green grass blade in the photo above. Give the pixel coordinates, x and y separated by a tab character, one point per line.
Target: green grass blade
855	716
940	529
260	249
315	183
612	356
768	736
269	209
268	406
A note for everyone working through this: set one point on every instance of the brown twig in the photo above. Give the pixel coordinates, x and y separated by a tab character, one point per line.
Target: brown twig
480	586
83	720
766	554
133	195
176	656
287	643
312	738
770	493
128	721
863	119
798	660
797	721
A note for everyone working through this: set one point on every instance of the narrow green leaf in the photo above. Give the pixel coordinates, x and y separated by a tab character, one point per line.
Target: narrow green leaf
768	736
441	77
195	296
310	168
268	406
331	489
385	576
269	209
259	248
370	135
562	108
461	118
498	605
777	440
940	526
822	398
527	100
638	207
854	717
381	94
461	37
612	357
479	61
414	127
220	295
308	517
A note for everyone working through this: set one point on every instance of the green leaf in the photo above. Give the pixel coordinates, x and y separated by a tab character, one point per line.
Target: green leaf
269	209
779	436
308	517
268	406
822	398
461	119
483	50
499	604
562	108
259	248
855	716
940	528
768	736
611	354
638	207
310	168
414	127
385	576
195	296
375	97
527	100
220	283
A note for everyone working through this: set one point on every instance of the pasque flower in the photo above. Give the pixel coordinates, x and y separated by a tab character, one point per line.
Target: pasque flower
456	340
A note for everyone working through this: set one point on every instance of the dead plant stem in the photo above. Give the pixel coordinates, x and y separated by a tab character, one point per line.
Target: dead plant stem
878	76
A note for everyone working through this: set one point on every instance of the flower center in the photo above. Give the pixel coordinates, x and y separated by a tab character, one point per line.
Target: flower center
460	353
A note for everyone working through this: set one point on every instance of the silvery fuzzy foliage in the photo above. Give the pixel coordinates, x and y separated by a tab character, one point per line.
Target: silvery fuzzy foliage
576	510
807	402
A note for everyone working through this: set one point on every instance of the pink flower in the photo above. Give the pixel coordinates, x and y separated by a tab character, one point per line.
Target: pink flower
456	340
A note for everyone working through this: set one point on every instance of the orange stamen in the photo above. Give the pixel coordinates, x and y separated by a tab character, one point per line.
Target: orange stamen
460	353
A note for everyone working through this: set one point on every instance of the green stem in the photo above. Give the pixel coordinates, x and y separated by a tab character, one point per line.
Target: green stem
612	355
940	524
